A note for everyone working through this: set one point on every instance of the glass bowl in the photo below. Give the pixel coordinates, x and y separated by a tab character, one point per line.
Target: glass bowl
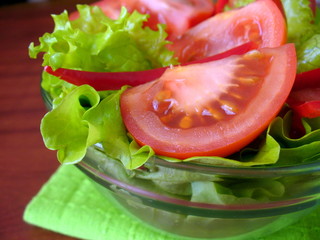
204	202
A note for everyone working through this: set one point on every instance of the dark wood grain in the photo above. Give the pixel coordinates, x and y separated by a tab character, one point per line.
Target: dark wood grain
25	163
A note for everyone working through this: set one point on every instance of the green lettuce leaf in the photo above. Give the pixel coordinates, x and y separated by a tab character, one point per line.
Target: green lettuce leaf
82	119
303	31
267	152
300	20
65	129
56	88
95	42
296	150
85	117
241	191
309	54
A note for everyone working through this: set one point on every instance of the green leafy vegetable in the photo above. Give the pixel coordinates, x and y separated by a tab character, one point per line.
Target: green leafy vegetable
303	31
299	28
309	54
65	128
237	192
294	151
95	42
267	152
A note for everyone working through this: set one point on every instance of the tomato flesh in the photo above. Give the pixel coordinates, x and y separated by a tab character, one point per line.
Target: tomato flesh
261	22
214	108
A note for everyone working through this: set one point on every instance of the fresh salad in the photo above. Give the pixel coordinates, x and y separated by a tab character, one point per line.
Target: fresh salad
232	83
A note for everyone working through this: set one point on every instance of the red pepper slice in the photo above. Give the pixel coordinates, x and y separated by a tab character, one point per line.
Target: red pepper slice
308	109
305	96
313	6
219	7
309	79
101	81
115	80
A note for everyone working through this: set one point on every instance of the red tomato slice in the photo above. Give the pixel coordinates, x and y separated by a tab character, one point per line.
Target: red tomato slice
178	15
214	108
111	8
261	22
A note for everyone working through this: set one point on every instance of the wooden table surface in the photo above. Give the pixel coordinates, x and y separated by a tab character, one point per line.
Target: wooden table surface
25	162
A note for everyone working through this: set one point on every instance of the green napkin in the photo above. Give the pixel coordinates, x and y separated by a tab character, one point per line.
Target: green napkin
69	204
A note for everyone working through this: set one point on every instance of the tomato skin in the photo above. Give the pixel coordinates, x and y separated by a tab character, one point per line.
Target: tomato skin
222	138
261	22
177	15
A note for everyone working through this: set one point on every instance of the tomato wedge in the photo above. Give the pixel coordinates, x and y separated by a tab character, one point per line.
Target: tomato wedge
177	15
261	22
214	108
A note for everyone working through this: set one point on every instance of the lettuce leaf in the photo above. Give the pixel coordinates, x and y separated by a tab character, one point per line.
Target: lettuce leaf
65	128
82	119
303	31
267	152
299	18
85	117
309	54
244	191
300	150
95	42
